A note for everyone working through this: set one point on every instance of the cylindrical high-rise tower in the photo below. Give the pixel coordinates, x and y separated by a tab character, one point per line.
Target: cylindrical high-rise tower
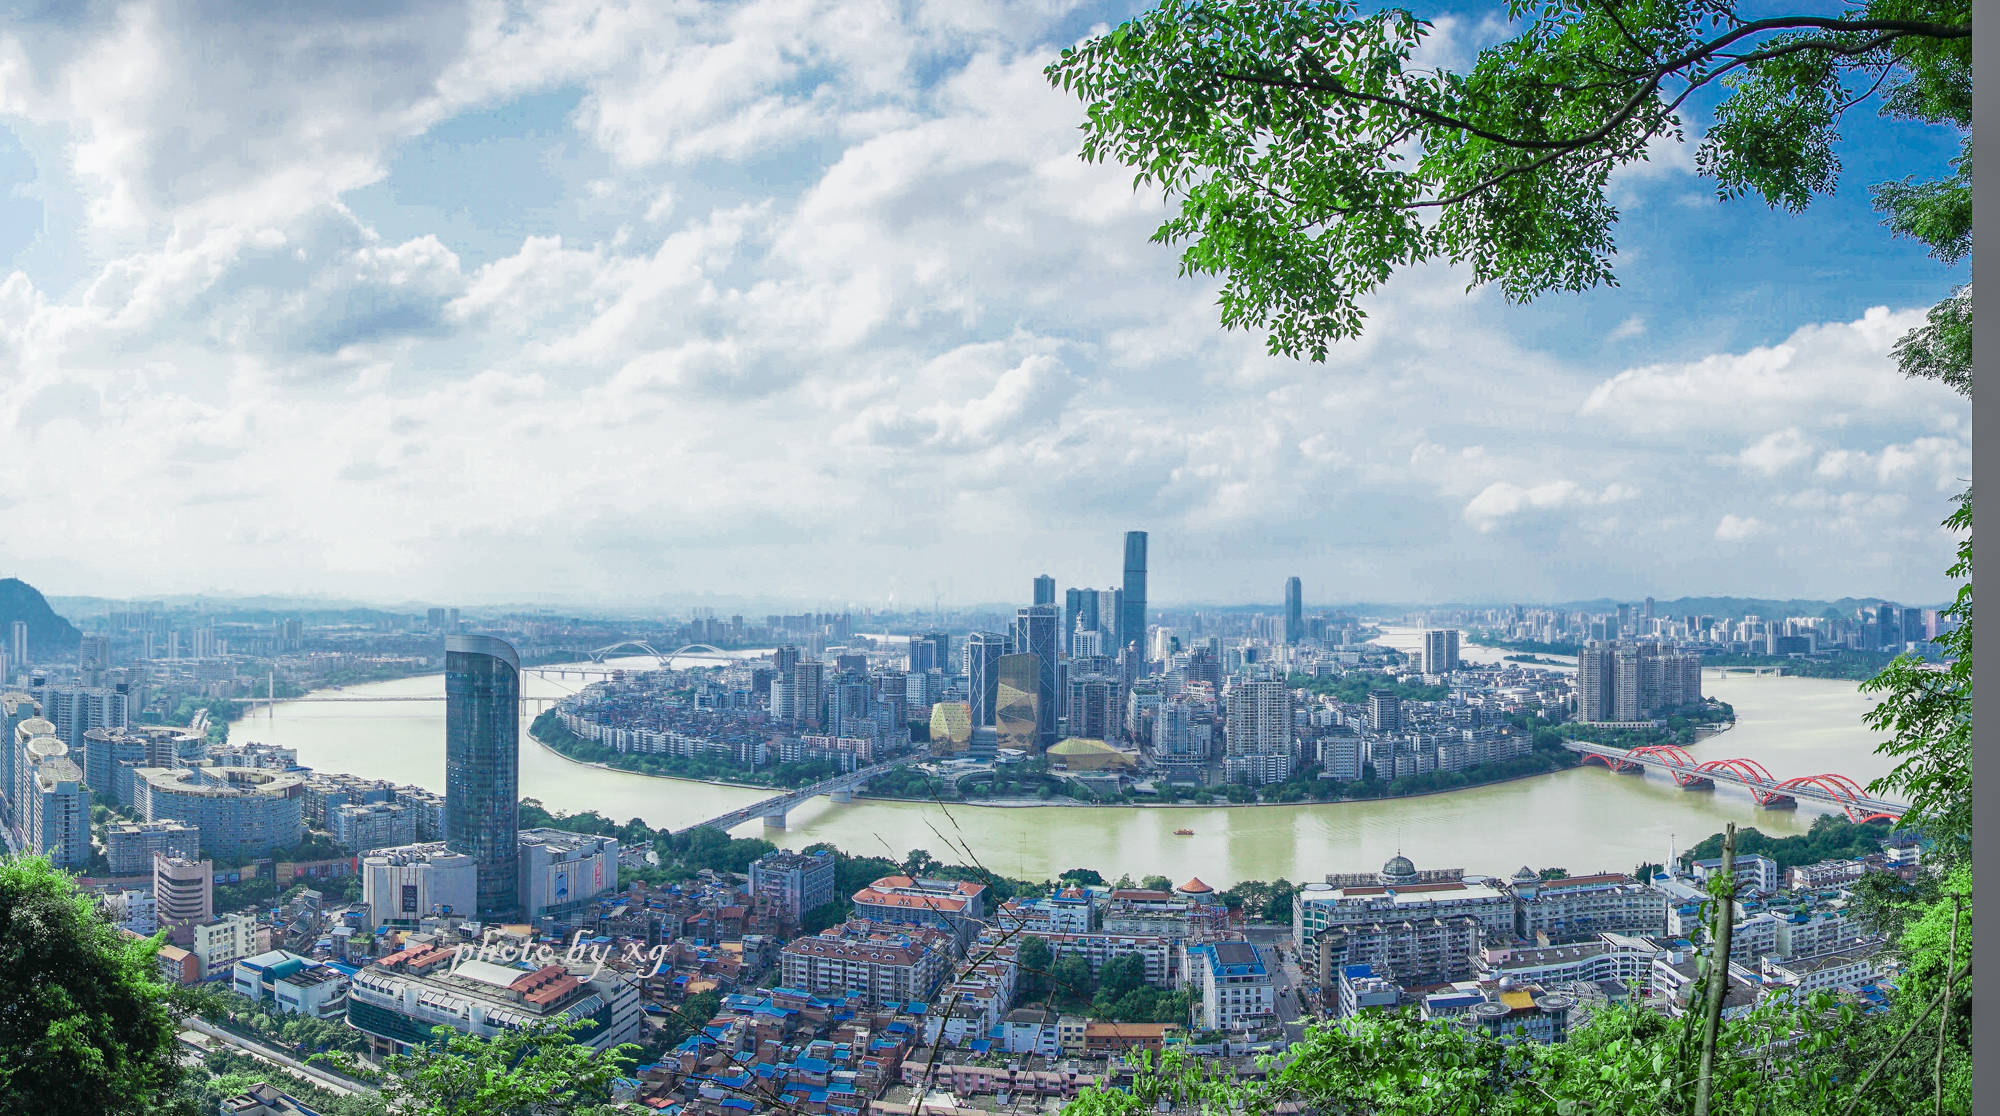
482	763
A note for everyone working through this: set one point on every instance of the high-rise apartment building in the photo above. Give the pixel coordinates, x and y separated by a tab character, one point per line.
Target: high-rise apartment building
1295	610
1440	650
1132	611
983	651
1385	711
482	765
1634	681
183	896
1257	733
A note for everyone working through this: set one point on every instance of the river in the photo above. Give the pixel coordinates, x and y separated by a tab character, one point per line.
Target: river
1584	819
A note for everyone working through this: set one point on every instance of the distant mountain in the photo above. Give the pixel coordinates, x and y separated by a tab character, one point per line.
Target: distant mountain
49	635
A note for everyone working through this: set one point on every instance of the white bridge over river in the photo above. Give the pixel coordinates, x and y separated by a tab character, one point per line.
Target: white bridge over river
840	788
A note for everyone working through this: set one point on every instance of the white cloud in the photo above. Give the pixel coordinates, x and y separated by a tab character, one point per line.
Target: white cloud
827	306
1503	500
1774	452
1735	528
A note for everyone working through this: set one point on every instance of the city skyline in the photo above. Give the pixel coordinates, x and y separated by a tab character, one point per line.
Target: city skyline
542	310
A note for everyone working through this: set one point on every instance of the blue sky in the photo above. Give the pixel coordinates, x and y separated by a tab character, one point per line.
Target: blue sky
814	301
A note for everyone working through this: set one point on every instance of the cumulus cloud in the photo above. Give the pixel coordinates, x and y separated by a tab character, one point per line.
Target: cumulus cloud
1735	528
1503	500
821	304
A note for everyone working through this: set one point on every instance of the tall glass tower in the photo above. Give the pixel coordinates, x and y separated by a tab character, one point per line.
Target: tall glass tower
482	761
1132	612
1037	632
1295	610
982	674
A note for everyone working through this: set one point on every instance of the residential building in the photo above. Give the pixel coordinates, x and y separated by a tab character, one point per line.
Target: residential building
880	964
219	944
1361	988
183	895
1237	992
958	906
129	847
795	883
241	812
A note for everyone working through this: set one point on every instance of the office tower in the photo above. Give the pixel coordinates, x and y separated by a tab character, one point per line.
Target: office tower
1440	651
1017	710
183	896
1079	613
1913	625
1132	611
20	652
1649	608
1045	590
1624	618
1036	632
983	651
482	726
1295	610
1110	604
1888	627
1385	711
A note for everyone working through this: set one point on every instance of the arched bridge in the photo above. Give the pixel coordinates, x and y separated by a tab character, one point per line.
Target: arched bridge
1769	790
774	808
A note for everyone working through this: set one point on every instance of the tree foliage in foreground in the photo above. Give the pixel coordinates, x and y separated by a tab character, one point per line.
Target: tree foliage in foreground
86	1025
538	1068
1311	155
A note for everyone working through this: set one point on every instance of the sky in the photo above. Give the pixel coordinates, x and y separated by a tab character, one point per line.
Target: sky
814	301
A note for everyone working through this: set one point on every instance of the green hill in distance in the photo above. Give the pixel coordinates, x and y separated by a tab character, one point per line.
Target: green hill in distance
49	635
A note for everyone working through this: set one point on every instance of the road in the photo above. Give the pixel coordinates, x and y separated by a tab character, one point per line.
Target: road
326	1079
1272	949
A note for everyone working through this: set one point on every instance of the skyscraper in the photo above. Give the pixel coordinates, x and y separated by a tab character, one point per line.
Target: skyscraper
1045	590
482	755
1079	611
19	657
1295	610
982	674
1018	708
1132	612
1037	631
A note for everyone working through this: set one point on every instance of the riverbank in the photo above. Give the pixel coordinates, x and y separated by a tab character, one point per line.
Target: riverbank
567	758
1036	803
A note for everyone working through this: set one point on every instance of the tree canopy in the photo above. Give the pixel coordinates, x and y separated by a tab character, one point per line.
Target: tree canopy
1312	154
86	1025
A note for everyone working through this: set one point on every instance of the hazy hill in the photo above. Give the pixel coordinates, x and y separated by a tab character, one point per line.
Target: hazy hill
49	635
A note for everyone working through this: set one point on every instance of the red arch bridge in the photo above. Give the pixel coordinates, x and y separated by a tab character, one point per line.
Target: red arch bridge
1769	790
